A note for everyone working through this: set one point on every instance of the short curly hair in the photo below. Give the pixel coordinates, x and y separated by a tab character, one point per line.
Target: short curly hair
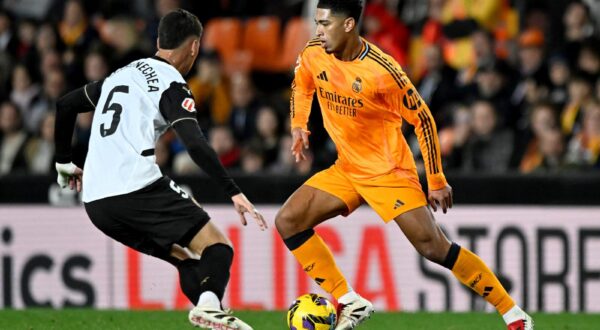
175	27
349	8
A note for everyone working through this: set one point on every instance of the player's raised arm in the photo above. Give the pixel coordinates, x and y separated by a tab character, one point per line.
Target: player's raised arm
303	89
416	112
177	106
83	99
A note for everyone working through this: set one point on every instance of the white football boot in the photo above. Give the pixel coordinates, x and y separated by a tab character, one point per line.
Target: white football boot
212	318
352	314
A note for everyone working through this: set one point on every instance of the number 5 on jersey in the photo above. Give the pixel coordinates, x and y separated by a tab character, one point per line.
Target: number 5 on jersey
178	189
116	107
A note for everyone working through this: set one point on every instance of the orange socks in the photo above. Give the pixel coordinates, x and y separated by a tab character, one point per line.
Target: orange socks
474	273
317	261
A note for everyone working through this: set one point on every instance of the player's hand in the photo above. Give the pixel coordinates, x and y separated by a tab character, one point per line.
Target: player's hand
243	205
442	197
299	142
69	175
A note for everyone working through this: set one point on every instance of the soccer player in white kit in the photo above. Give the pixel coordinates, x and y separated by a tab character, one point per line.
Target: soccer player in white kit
125	194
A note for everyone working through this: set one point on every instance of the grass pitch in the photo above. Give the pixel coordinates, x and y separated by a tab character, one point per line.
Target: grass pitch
78	319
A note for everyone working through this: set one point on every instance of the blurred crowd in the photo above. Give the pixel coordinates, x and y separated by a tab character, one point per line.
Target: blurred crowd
513	85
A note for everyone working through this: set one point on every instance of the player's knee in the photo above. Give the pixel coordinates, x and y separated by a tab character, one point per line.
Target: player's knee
285	224
431	251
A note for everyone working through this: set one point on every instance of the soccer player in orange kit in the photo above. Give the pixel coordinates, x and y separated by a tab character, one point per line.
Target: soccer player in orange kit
364	95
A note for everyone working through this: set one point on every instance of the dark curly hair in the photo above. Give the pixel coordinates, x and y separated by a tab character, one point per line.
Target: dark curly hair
349	8
177	26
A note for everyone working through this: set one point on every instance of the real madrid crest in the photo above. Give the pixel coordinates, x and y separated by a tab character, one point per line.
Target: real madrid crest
357	85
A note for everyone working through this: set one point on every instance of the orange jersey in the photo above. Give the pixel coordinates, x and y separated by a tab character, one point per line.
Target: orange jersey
363	102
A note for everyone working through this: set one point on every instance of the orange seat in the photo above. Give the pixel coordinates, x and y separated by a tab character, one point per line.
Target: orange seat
295	36
262	41
224	36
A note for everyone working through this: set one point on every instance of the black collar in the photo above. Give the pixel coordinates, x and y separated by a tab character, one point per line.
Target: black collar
158	58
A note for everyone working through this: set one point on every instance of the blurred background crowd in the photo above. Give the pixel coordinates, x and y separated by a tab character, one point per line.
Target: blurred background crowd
514	85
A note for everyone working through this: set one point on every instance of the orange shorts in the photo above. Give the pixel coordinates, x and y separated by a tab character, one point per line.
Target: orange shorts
389	195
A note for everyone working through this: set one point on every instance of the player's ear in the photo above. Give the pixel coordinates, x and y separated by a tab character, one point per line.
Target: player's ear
349	24
194	46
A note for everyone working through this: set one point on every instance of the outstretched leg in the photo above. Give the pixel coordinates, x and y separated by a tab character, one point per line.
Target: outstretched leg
204	280
425	235
305	209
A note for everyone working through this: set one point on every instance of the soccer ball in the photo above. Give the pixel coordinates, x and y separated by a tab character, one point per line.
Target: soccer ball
312	312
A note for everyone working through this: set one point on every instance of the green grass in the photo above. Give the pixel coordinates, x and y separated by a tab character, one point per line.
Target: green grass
92	319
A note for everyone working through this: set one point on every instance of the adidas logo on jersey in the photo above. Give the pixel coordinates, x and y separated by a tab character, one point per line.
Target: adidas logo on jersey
188	104
398	204
322	76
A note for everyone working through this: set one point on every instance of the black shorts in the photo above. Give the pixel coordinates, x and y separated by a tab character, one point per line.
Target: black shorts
149	220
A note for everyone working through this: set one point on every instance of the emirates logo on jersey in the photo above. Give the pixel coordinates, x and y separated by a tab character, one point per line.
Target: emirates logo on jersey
188	104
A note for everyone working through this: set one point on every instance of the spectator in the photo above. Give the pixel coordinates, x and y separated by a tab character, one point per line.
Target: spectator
589	58
532	68
267	134
222	141
245	105
578	27
50	61
8	46
8	42
13	140
438	87
161	8
483	52
488	148
549	154
210	88
485	12
560	73
252	160
74	30
40	151
124	40
580	97
584	148
542	119
24	89
54	87
26	34
46	39
492	84
386	31
453	138
95	66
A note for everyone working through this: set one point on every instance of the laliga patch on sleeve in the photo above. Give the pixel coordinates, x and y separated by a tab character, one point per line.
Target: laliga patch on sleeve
188	104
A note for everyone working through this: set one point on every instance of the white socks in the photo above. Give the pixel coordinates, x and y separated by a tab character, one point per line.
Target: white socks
514	314
348	297
209	299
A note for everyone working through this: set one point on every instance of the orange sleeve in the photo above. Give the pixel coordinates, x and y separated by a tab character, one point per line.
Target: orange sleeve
303	88
413	109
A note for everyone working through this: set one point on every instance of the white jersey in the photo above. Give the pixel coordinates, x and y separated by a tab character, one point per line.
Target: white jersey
128	120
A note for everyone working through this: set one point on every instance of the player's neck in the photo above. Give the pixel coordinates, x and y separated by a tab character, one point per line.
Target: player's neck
171	57
351	51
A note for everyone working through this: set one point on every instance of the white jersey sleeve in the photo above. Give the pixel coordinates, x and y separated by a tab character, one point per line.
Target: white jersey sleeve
137	104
